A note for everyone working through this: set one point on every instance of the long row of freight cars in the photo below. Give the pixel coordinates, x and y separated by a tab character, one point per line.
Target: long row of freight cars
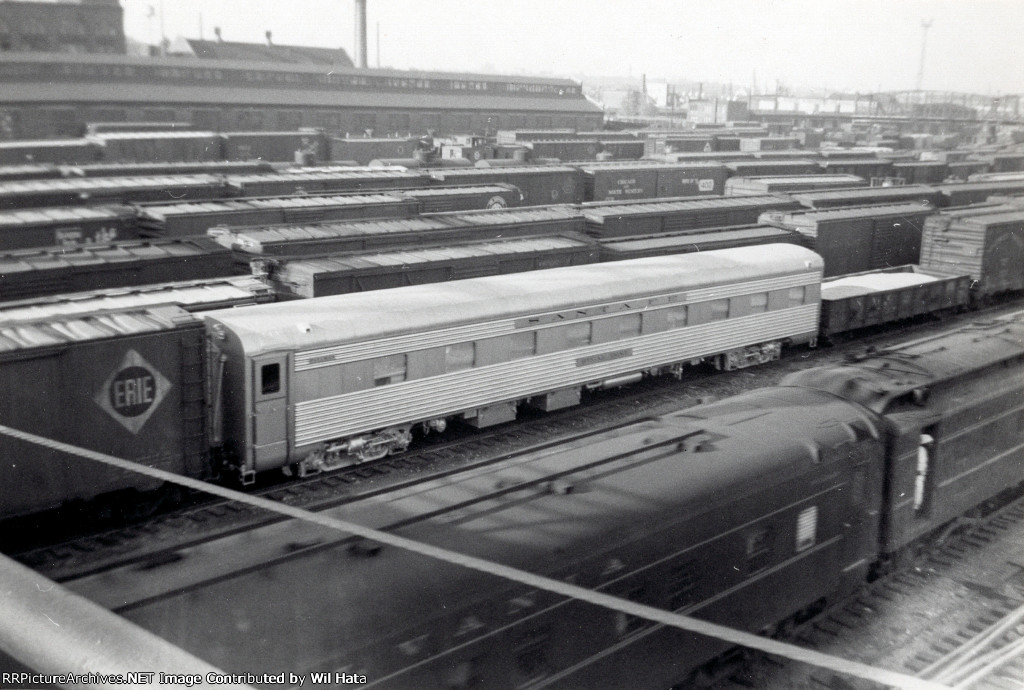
976	247
68	212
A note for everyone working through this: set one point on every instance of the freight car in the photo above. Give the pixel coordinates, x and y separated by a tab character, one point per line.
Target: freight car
342	274
964	193
58	151
867	168
178	168
859	238
66	226
331	238
190	295
638	246
875	298
29	171
539	184
138	375
989	247
32	272
623	181
110	190
139	357
773	184
611	219
352	375
923	194
322	180
920	172
750	512
751	168
196	217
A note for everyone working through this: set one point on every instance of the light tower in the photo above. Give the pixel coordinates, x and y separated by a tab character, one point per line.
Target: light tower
925	25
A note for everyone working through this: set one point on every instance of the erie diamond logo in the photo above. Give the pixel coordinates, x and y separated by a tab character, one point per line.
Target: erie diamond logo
132	392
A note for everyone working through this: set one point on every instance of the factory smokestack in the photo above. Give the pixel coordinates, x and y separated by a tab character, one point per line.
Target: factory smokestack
361	33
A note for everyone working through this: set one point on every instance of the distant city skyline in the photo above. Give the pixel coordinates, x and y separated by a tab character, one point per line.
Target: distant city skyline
837	45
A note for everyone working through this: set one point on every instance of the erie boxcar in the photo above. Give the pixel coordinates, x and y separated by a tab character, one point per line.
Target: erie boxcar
139	384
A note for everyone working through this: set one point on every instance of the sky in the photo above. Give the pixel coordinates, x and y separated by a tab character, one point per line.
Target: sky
841	45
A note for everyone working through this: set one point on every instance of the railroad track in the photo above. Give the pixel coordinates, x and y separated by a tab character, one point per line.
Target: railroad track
954	616
158	538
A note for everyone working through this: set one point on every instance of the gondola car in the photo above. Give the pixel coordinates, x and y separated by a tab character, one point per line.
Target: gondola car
324	382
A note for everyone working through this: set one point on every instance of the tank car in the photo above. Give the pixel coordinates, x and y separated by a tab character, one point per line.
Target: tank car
324	382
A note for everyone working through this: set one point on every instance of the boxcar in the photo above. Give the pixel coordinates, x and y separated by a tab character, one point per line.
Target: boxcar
873	298
988	247
418	265
769	184
920	172
29	171
622	150
635	247
786	167
139	395
151	147
363	150
964	193
275	146
31	272
316	382
170	168
466	198
870	195
110	190
565	149
196	217
962	170
864	167
48	151
190	295
322	180
540	184
330	238
859	238
66	226
610	219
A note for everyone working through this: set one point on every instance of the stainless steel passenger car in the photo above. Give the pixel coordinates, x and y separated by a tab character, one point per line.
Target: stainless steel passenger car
327	381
